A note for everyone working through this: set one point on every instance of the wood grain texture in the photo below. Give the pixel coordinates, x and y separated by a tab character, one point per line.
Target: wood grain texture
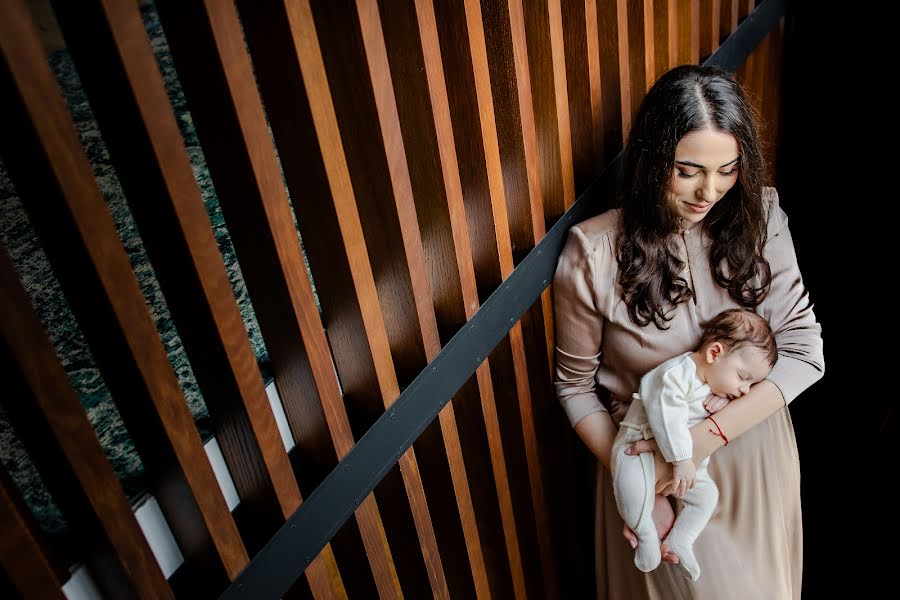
715	24
688	32
592	50
759	76
582	80
471	108
242	162
508	68
611	82
59	438
259	216
536	82
116	65
24	560
626	79
560	85
316	171
48	166
729	20
665	33
418	73
706	28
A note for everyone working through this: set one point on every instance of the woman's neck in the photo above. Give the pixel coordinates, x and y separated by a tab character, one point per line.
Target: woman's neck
685	225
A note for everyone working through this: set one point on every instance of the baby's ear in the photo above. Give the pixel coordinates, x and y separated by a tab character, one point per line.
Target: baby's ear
714	352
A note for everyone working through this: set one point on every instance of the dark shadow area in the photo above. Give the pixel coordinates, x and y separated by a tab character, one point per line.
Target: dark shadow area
836	171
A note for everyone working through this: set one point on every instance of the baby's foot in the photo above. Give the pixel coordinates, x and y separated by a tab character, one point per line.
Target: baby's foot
687	562
647	556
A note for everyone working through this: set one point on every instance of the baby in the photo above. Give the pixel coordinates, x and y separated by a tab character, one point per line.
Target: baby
737	350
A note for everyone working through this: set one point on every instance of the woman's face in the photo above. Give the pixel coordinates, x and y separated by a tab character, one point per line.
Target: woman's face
705	169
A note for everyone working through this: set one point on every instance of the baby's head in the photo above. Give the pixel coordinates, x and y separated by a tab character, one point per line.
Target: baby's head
737	350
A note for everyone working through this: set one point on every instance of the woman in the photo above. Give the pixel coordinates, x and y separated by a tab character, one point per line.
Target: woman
697	234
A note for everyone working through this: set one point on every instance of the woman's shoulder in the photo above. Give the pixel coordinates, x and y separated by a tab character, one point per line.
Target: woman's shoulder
590	248
776	219
599	231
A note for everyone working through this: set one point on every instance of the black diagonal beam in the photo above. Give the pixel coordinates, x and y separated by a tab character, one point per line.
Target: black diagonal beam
303	536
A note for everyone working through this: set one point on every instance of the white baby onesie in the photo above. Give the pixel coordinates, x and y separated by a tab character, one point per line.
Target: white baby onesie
670	402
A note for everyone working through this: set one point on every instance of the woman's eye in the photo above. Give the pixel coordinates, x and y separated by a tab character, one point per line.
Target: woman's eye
684	175
729	173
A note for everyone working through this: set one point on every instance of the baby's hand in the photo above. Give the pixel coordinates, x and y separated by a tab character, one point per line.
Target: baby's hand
714	403
684	476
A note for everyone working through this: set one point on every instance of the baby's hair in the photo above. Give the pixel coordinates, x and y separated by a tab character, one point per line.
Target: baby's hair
738	327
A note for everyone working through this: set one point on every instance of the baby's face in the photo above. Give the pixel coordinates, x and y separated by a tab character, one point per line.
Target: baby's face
732	373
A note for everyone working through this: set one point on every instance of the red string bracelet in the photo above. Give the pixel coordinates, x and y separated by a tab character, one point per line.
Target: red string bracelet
719	434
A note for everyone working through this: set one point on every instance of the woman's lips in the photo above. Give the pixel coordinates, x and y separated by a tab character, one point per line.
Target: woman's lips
698	208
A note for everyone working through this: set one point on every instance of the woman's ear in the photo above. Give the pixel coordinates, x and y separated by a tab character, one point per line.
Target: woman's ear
714	351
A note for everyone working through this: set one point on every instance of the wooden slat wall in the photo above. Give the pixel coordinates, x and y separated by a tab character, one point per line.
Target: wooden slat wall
60	440
26	565
52	174
426	146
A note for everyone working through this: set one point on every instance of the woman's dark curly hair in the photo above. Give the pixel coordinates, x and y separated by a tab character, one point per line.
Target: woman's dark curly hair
686	99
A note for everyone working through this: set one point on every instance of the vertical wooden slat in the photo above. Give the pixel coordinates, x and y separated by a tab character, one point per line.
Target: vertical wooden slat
615	94
757	74
729	18
517	216
483	180
688	32
665	32
745	8
560	86
706	28
116	65
649	46
532	345
596	89
472	120
534	51
639	55
626	83
228	114
528	222
579	27
383	191
417	72
364	104
715	24
315	168
49	168
248	181
772	97
461	300
23	558
62	443
672	27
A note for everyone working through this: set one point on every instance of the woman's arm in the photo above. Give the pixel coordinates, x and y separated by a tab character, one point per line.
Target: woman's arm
579	330
738	416
598	432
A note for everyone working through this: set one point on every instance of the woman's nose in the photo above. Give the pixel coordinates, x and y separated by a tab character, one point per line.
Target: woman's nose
707	190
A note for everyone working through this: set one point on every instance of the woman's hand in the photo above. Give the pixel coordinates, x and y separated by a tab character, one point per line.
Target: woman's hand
665	480
663	518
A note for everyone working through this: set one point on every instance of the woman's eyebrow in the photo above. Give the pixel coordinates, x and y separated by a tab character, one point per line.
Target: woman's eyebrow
691	164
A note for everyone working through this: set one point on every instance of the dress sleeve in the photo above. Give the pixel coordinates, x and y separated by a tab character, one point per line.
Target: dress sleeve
789	310
664	394
579	329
